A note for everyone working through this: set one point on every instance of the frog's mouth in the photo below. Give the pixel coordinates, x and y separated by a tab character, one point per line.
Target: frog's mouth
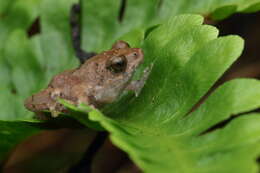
38	102
32	106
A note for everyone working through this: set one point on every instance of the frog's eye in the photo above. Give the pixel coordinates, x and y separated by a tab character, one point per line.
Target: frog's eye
117	64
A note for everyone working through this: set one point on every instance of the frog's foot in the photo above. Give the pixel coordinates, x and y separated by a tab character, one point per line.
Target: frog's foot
138	85
54	113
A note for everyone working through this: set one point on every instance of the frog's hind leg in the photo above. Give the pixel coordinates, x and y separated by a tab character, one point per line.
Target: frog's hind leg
75	23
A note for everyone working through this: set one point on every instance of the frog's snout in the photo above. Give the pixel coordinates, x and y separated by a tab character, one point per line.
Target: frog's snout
28	103
38	102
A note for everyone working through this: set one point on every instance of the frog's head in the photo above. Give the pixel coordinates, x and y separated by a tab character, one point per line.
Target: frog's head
123	60
114	70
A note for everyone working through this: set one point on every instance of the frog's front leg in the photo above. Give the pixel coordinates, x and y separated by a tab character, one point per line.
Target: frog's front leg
137	85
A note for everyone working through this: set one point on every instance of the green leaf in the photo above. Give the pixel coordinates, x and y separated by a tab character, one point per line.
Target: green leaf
158	129
81	115
102	27
12	133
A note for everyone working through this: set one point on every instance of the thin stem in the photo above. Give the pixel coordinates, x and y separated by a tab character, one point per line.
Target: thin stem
84	165
75	23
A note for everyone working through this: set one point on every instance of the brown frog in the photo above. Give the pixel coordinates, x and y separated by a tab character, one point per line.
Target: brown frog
99	81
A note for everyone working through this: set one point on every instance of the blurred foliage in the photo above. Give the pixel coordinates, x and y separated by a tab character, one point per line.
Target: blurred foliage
27	64
101	26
